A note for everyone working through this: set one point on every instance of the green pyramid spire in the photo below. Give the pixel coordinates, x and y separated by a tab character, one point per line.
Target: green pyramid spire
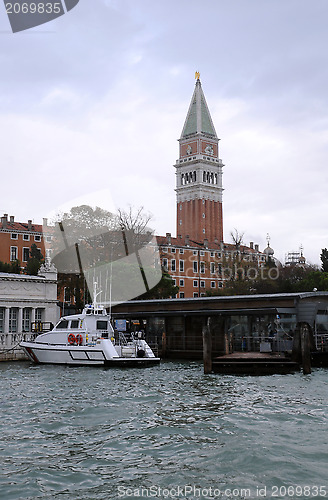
198	118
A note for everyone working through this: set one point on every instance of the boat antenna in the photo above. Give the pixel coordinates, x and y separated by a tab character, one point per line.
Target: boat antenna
95	294
110	282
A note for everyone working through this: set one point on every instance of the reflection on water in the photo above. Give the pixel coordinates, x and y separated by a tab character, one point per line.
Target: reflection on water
82	433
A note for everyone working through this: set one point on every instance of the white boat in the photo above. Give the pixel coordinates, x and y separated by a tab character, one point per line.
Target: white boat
89	339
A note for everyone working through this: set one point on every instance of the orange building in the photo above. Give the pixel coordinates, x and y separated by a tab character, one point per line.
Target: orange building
16	239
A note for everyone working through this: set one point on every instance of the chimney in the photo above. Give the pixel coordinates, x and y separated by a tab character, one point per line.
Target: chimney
256	248
12	219
29	222
251	245
45	221
206	243
4	221
187	240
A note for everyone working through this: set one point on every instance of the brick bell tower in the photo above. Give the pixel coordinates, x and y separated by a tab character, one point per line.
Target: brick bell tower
199	175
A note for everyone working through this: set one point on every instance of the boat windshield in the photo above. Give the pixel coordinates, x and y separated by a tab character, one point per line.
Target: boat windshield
62	324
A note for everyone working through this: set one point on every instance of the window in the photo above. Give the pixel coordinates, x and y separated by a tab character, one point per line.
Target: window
212	254
38	314
195	266
67	294
2	319
202	284
26	254
62	324
37	237
203	231
165	266
164	249
195	294
220	284
74	323
181	266
26	237
202	294
181	282
194	252
219	255
181	250
14	236
48	239
203	216
181	295
13	253
220	269
202	253
12	320
173	265
172	250
102	324
26	326
212	267
195	283
174	282
202	267
212	284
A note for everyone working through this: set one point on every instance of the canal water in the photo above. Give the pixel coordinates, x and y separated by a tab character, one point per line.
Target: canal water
162	432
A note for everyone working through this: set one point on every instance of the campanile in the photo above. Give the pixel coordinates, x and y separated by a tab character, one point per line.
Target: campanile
199	175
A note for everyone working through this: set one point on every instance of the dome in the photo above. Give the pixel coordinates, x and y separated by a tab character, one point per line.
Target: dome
268	251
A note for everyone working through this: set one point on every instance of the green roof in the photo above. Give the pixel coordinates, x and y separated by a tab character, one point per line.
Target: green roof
198	118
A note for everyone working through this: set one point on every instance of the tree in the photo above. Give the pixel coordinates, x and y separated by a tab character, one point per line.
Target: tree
164	289
34	261
116	250
324	260
14	267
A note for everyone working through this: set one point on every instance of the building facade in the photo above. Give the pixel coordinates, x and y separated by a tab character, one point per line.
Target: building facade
26	303
16	239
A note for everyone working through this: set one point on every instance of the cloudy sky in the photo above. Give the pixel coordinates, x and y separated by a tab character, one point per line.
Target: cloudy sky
97	100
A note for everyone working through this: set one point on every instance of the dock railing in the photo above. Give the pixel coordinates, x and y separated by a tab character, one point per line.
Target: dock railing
321	342
263	344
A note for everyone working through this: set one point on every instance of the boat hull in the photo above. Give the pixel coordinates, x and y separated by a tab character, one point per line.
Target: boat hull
80	356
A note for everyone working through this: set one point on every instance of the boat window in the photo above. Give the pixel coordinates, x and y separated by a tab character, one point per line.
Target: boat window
62	324
101	325
74	323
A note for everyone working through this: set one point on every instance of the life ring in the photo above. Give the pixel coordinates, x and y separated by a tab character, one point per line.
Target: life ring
79	339
71	338
112	340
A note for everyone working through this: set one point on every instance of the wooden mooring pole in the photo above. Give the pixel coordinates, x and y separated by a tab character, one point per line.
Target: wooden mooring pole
301	353
207	346
306	348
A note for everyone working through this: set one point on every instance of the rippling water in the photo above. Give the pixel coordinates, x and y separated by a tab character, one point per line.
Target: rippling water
89	433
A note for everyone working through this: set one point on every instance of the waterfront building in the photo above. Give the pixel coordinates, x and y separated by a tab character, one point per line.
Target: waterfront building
27	304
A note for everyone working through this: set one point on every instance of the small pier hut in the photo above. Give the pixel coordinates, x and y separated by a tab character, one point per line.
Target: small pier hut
245	323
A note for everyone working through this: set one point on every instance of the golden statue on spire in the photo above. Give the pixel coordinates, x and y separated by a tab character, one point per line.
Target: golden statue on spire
197	75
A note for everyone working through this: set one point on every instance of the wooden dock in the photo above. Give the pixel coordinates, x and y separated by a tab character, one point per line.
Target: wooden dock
253	363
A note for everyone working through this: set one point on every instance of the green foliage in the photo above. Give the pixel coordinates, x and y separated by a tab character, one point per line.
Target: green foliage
34	261
164	289
14	267
324	260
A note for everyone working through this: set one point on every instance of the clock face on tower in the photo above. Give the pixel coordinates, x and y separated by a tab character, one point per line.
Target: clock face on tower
189	150
209	149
